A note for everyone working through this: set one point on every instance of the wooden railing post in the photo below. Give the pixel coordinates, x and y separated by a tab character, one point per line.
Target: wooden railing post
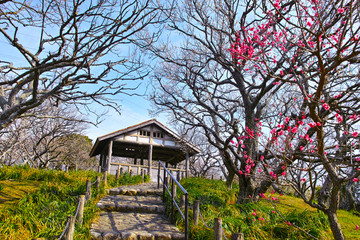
237	236
218	228
131	173
117	174
97	183
70	232
81	209
196	211
121	171
88	190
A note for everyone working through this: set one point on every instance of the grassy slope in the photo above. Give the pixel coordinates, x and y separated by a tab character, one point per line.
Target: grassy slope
347	219
217	201
36	203
13	191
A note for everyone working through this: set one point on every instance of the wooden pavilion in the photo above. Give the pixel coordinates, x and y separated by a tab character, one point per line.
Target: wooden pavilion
150	140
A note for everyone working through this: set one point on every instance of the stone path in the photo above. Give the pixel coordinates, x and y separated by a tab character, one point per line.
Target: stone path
134	213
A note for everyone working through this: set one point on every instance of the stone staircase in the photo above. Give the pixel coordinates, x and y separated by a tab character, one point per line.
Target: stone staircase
134	213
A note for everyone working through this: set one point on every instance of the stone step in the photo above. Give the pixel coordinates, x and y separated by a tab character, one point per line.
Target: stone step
134	226
144	189
140	204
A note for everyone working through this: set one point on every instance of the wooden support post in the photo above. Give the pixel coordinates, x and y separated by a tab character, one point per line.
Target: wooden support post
164	184
237	236
105	178
168	181
150	159
131	173
121	171
139	170
178	176
88	190
218	228
100	163
81	209
196	211
69	235
129	169
109	156
182	201
97	184
187	165
212	177
135	161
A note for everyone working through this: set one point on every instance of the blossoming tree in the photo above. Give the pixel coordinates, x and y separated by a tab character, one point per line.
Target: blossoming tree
315	135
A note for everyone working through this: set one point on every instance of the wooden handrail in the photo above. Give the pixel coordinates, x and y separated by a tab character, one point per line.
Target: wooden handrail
166	185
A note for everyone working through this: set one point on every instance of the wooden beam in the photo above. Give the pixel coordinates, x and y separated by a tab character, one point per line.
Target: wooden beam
109	156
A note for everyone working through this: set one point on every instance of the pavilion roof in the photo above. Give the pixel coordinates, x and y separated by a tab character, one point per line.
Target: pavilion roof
125	148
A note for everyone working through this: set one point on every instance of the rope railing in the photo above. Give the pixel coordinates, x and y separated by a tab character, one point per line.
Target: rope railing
64	231
68	232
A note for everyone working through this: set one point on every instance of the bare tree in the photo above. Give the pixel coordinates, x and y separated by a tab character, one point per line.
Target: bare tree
204	87
35	140
206	162
83	51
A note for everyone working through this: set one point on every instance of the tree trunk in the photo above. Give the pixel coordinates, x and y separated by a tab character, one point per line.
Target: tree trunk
246	190
324	193
334	225
230	179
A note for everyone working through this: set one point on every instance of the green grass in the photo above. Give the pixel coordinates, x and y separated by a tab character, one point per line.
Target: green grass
217	201
36	203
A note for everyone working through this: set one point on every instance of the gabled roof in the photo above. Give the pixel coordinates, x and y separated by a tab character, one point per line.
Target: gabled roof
102	141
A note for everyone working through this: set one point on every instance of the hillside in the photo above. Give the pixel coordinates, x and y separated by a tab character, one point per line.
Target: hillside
35	203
